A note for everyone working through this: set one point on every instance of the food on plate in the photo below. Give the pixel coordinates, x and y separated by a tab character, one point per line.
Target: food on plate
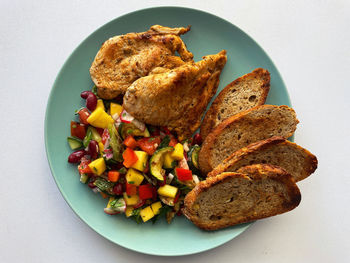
134	141
177	98
242	94
141	169
297	161
253	192
244	128
123	59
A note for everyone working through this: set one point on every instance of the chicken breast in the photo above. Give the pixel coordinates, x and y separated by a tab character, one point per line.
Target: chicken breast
176	98
123	59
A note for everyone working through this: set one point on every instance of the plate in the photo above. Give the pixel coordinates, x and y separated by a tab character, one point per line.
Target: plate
209	34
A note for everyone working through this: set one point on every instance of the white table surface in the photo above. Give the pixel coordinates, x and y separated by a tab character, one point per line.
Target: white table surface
308	40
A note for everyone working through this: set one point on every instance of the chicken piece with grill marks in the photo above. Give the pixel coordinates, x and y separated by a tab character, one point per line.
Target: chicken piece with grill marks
176	98
123	59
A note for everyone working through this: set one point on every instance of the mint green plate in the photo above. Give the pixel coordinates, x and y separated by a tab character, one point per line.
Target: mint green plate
209	34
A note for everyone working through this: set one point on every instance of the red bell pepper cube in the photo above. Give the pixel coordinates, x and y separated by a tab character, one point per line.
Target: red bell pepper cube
77	130
83	166
173	141
84	115
145	191
113	176
130	142
149	145
183	174
131	189
129	157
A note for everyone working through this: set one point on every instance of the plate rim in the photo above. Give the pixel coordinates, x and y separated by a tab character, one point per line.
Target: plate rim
50	98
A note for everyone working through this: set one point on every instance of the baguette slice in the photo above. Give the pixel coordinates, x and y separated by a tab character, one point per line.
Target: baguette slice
244	128
242	94
255	192
297	161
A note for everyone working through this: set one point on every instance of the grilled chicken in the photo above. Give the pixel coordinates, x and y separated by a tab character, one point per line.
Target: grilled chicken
176	98
123	59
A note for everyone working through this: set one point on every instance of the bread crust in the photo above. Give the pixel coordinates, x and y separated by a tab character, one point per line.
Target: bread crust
310	163
251	173
205	155
209	122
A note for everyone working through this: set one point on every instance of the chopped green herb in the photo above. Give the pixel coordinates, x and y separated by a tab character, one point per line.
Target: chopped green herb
94	90
131	182
136	215
122	170
117	203
87	138
164	143
115	142
162	213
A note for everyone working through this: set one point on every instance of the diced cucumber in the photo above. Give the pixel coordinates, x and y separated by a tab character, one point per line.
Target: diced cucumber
156	162
84	178
193	158
74	143
94	134
126	129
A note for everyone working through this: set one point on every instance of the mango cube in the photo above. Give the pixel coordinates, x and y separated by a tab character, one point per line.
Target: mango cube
128	211
146	213
167	190
134	177
131	200
101	147
178	153
100	104
115	108
156	207
141	163
168	161
99	118
98	166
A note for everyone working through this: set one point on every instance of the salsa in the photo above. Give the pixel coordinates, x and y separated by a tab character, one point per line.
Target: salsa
143	171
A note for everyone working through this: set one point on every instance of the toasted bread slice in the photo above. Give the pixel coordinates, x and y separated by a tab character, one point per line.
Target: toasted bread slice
297	161
242	94
244	128
228	199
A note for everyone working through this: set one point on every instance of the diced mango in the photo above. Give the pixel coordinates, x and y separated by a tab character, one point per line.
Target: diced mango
131	200
98	166
134	177
128	211
146	213
100	104
115	108
141	163
156	207
167	190
178	153
101	147
168	161
99	118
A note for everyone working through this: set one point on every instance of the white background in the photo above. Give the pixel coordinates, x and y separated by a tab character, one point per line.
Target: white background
308	40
